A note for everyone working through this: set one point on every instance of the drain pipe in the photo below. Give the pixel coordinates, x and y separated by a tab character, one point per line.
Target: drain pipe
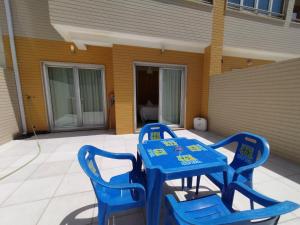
15	64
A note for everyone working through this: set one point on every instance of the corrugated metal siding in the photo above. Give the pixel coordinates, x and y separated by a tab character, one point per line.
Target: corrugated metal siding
30	19
8	106
261	34
147	17
264	100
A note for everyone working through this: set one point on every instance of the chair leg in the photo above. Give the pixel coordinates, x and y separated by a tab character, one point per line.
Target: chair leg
102	215
251	204
190	182
182	183
197	184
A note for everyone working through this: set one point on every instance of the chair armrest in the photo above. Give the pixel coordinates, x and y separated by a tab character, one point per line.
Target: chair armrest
136	186
263	213
126	156
223	142
273	207
244	216
248	193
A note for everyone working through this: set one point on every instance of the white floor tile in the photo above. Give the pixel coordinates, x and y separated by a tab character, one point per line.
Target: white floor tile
51	169
20	175
74	183
7	189
72	209
32	190
25	214
62	156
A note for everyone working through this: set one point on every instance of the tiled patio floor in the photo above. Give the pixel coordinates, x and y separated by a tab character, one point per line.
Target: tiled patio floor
52	189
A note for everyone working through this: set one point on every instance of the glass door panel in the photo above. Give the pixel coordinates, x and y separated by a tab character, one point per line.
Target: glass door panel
91	97
170	96
63	100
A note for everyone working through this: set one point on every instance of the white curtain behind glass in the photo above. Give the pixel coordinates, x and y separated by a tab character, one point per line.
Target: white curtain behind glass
91	94
171	95
61	82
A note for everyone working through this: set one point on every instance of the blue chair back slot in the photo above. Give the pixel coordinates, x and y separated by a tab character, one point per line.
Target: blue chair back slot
155	131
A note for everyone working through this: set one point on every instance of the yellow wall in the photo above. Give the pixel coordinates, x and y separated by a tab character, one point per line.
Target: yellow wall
118	62
31	52
231	63
123	58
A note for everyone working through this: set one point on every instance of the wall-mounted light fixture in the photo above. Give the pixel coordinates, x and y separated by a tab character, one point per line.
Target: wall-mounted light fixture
162	49
72	48
249	62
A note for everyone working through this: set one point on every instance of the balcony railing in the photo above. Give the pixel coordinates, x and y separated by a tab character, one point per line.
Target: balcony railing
272	8
202	1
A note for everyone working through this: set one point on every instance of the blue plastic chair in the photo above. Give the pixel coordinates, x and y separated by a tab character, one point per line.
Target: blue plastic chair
213	210
251	151
122	192
155	131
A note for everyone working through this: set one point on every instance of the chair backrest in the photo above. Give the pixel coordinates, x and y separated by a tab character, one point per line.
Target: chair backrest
155	131
86	158
250	148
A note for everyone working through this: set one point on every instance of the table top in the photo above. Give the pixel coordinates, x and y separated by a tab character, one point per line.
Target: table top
179	155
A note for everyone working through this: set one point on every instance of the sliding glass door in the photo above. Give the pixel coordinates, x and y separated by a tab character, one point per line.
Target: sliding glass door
75	96
91	96
171	89
62	94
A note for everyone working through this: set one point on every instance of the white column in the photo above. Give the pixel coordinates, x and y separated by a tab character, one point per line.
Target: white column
270	6
289	12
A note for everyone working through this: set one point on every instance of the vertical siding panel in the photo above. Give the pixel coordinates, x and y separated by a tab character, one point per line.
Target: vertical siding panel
30	19
256	33
9	113
148	17
263	100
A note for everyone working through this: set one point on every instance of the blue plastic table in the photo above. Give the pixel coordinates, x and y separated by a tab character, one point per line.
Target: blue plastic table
176	158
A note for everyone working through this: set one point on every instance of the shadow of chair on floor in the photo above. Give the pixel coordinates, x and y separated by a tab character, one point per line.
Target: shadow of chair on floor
73	218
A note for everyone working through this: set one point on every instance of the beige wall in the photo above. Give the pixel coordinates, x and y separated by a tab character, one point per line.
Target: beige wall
151	18
249	31
30	19
236	63
9	113
263	100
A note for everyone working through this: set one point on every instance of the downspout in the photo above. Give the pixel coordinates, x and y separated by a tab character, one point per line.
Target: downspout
15	64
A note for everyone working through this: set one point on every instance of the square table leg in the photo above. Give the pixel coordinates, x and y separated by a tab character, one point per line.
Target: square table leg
225	178
139	162
155	183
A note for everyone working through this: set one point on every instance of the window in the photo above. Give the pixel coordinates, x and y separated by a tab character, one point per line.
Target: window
296	12
272	8
202	1
75	95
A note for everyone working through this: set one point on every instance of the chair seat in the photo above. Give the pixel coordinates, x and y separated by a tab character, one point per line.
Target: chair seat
202	209
217	178
117	197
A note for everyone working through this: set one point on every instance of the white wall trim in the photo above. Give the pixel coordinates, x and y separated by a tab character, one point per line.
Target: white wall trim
257	54
85	36
82	37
